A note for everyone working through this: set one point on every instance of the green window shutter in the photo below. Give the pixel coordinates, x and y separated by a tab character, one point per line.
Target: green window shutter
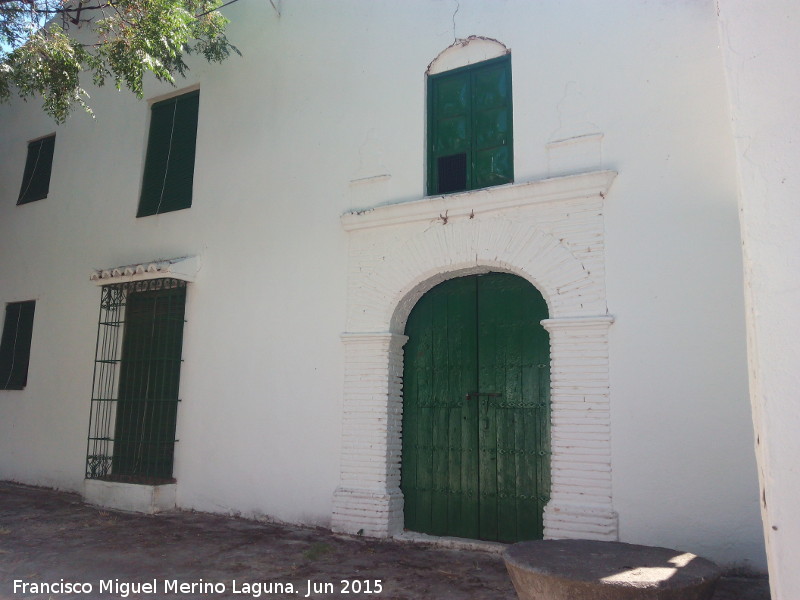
491	100
15	345
450	133
169	165
149	377
38	165
470	127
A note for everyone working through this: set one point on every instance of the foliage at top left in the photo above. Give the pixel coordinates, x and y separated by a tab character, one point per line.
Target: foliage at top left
47	45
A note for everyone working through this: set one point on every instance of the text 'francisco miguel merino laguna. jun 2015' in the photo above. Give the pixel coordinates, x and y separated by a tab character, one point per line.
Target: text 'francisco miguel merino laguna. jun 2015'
255	589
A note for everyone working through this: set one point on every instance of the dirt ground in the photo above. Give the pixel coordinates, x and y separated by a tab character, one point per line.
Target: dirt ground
53	537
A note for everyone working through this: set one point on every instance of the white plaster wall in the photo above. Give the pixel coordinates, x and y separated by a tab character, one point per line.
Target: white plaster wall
327	93
761	47
683	463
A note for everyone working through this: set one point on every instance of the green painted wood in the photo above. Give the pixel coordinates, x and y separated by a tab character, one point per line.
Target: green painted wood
492	160
513	352
440	468
15	345
470	123
169	164
38	167
149	373
476	410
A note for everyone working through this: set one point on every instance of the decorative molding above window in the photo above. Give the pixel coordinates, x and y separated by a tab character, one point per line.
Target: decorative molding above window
184	268
471	203
466	51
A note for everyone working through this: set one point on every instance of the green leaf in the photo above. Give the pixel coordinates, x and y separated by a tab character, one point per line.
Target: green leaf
127	39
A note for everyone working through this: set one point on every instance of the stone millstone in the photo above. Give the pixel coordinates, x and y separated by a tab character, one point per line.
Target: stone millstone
592	570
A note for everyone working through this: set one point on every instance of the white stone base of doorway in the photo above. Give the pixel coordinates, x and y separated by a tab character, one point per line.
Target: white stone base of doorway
148	499
454	543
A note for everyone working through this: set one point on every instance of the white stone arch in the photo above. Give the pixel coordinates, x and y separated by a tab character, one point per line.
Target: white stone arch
467	51
550	233
550	267
431	279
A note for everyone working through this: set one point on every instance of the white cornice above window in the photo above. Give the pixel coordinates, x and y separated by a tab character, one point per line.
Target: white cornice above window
184	268
474	202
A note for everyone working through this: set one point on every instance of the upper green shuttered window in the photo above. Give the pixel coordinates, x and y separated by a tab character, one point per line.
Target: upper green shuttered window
36	178
470	127
15	345
169	166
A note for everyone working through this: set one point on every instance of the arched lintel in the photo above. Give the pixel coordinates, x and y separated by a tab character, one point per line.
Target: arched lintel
466	51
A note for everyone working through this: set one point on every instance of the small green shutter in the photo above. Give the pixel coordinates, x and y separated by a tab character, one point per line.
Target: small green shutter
15	345
491	104
38	165
169	166
470	127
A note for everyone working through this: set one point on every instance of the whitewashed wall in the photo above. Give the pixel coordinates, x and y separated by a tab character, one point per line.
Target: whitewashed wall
761	49
330	93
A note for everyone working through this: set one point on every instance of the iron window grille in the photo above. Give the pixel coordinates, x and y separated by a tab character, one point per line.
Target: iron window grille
135	398
15	345
38	166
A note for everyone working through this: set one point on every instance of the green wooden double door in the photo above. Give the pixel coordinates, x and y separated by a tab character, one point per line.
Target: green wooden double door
476	413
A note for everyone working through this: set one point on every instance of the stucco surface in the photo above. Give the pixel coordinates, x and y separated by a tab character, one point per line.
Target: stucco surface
759	49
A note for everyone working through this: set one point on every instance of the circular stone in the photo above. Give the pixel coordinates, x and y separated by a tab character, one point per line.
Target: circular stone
588	569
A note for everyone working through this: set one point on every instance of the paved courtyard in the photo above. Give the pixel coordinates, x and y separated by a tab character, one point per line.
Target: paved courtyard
53	537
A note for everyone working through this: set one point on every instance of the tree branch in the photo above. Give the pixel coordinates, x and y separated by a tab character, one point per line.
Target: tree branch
60	11
203	14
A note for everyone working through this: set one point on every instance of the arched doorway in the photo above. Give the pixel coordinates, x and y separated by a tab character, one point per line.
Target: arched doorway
550	232
476	410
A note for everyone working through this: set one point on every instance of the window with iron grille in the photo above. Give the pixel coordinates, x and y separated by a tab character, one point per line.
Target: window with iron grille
15	345
135	397
169	164
38	165
470	127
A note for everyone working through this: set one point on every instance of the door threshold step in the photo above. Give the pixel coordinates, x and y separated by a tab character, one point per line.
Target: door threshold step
454	543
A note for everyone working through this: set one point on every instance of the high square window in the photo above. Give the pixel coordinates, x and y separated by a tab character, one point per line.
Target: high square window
15	345
36	178
169	165
470	127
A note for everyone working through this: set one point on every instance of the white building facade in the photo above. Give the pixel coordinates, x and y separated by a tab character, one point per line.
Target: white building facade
333	188
762	75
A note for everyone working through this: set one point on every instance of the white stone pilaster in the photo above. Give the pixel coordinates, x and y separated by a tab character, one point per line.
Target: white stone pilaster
368	500
580	499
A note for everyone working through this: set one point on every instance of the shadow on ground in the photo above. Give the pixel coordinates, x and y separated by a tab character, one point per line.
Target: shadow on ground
53	537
